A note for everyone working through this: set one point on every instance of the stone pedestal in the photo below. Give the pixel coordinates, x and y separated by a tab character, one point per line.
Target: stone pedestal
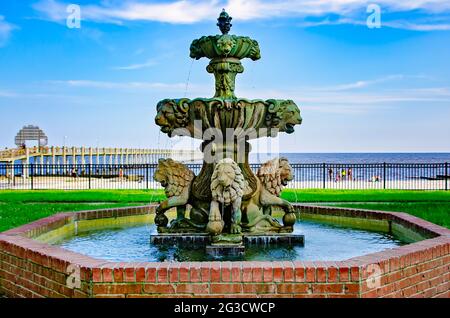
225	246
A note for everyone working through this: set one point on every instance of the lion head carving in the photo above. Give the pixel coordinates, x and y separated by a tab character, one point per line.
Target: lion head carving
283	114
225	44
275	174
172	114
173	176
227	182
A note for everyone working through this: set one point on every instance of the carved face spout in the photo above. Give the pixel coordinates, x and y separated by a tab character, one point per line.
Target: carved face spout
171	115
283	114
165	117
292	117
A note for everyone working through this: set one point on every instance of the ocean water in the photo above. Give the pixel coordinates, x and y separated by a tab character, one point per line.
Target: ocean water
334	158
355	158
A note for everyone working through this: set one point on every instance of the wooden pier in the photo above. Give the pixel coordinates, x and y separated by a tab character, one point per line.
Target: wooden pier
84	155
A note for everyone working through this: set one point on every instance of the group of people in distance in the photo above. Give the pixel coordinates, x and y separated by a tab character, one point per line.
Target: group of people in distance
342	175
347	175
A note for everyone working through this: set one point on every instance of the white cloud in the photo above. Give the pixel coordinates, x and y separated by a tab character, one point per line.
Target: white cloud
418	26
358	97
7	94
317	99
326	99
148	63
120	85
364	83
181	11
5	30
192	11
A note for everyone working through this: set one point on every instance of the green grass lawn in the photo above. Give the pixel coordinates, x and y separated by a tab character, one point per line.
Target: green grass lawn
13	214
21	207
145	196
436	212
364	196
60	196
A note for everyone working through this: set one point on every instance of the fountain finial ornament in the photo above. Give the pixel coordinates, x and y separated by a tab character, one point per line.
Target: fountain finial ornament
224	22
226	200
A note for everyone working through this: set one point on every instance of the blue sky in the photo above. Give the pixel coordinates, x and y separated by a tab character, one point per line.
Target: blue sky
359	89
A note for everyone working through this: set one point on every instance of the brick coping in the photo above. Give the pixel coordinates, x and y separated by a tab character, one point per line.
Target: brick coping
32	268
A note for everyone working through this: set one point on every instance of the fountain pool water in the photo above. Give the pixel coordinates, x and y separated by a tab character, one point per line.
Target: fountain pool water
323	242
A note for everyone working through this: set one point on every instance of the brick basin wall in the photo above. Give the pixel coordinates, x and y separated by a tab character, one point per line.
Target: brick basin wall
29	268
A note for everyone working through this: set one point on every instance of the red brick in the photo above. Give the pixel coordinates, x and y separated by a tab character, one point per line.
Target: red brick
226	288
159	288
310	274
278	272
299	273
236	271
288	272
395	276
195	289
321	275
118	275
163	273
215	272
107	275
225	270
206	272
96	275
289	288
116	289
351	288
150	275
247	272
396	262
259	288
140	274
408	292
332	275
129	275
195	272
327	288
354	273
267	272
184	273
174	272
386	290
257	274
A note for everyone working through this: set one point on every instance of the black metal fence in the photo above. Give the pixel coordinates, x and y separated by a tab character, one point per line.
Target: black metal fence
434	176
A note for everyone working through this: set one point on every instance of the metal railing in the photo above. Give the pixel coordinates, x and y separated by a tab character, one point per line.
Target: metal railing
432	176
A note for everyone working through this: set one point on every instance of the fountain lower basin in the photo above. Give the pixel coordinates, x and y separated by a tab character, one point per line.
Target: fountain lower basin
31	267
140	242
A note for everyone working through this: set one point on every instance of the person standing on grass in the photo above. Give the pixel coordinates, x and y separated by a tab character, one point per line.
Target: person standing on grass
330	174
344	173
350	174
338	177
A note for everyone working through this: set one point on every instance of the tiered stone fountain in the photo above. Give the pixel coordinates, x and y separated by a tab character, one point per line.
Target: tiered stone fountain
228	205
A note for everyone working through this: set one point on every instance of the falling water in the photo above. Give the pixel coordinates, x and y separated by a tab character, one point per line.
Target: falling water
188	79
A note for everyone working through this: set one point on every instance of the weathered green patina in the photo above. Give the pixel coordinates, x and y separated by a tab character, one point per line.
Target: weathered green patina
226	197
225	52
